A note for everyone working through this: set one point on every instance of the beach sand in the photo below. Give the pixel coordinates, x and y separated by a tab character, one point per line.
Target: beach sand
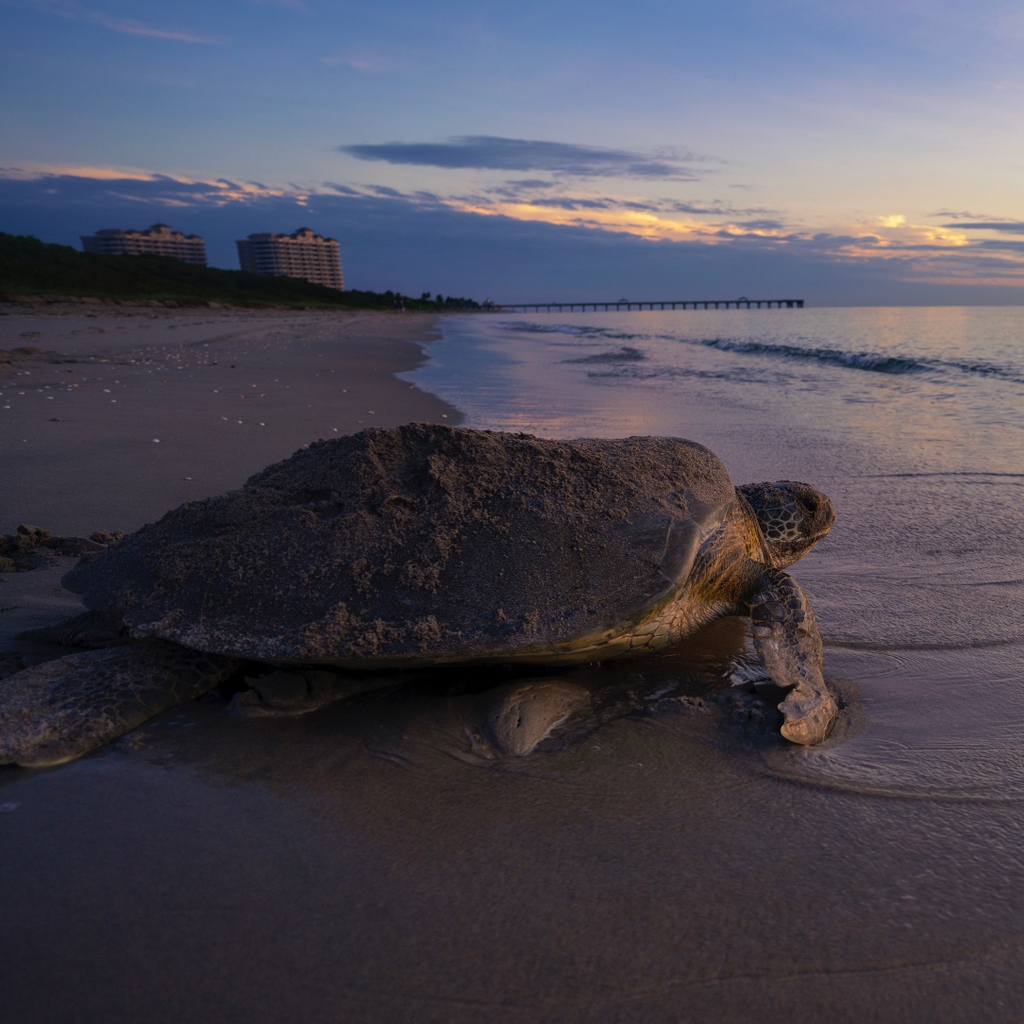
379	860
164	406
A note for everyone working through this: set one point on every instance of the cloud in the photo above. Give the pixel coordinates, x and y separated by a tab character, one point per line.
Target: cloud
420	241
1001	245
764	224
492	152
74	186
962	215
716	208
530	183
33	171
535	192
1010	227
126	26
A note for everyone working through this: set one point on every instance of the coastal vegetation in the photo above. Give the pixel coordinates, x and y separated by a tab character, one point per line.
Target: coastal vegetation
31	269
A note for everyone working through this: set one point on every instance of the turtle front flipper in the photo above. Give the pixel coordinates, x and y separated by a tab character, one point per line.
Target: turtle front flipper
787	639
58	710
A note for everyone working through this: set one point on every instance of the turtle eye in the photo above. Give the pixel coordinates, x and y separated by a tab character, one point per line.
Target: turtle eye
812	506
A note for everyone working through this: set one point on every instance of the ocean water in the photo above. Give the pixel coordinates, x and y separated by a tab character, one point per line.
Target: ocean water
912	420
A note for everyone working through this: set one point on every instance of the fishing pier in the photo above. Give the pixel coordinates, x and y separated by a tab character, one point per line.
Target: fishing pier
626	304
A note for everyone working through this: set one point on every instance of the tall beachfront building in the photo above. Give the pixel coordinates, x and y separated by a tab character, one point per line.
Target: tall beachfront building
158	240
300	254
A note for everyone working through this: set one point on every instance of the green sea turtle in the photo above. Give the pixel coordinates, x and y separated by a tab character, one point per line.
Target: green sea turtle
430	545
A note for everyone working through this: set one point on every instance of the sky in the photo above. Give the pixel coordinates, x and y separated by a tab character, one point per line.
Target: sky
842	152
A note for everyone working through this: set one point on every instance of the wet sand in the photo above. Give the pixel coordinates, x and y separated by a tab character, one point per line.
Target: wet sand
385	858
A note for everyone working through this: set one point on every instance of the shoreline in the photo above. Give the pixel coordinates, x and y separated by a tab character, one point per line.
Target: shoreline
126	413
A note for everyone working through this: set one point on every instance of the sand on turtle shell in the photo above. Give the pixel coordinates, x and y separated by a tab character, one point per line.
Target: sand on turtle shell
420	543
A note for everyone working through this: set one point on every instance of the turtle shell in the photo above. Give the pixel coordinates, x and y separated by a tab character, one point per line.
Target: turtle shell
420	544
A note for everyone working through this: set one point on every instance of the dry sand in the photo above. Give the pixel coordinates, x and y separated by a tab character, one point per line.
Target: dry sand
379	860
164	406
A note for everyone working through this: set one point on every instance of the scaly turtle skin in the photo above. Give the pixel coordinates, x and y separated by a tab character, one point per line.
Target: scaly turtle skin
429	545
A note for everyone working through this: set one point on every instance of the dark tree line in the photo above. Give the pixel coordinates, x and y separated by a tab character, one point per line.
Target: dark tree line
29	267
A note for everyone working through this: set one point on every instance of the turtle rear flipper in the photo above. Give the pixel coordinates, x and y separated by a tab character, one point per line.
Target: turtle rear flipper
787	639
58	710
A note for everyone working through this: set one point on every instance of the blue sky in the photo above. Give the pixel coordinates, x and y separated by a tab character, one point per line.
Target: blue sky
844	152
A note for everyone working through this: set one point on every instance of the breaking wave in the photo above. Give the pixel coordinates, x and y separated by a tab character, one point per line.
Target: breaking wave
626	354
874	362
871	362
576	330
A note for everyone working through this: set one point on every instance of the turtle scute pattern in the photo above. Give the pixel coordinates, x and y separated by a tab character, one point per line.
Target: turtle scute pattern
783	524
785	602
419	542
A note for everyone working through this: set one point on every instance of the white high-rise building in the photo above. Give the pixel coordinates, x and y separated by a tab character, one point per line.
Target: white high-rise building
158	240
301	254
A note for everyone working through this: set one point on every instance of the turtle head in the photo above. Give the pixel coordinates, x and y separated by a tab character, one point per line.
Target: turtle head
792	516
